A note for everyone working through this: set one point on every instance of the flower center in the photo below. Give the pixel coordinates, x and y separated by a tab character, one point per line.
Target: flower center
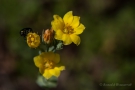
32	39
49	64
68	30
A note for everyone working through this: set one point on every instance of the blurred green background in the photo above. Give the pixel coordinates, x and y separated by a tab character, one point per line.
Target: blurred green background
106	54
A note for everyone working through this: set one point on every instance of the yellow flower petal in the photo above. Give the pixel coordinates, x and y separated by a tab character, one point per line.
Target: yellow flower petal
68	18
66	39
44	55
56	71
58	18
56	58
75	39
62	68
41	69
57	23
38	61
52	71
54	25
47	74
79	29
50	56
75	22
58	35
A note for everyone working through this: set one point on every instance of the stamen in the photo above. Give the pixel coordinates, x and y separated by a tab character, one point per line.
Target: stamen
32	39
68	30
49	64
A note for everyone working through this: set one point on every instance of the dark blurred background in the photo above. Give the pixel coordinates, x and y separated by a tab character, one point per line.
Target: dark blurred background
106	54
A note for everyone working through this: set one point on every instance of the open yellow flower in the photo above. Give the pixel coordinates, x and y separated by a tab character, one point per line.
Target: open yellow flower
33	40
68	28
46	62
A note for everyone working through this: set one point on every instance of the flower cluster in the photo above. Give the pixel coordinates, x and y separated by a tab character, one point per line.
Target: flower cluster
64	31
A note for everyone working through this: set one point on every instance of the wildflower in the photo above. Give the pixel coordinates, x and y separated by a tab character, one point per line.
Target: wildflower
46	62
33	40
68	28
48	36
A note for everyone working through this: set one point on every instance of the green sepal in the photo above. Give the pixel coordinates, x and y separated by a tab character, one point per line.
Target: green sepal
50	83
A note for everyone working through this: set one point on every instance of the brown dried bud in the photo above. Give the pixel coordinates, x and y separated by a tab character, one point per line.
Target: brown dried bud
48	36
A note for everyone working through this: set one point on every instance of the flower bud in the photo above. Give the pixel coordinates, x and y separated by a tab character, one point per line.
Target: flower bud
48	36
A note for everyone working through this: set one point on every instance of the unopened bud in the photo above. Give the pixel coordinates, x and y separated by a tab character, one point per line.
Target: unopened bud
48	36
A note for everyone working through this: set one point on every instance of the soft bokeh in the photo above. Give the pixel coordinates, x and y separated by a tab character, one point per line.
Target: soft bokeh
106	54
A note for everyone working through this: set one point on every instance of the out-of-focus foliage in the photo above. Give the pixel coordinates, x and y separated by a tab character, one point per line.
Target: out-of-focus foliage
106	54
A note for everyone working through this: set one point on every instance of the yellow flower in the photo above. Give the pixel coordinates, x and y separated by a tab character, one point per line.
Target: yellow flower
48	36
68	28
33	40
46	62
